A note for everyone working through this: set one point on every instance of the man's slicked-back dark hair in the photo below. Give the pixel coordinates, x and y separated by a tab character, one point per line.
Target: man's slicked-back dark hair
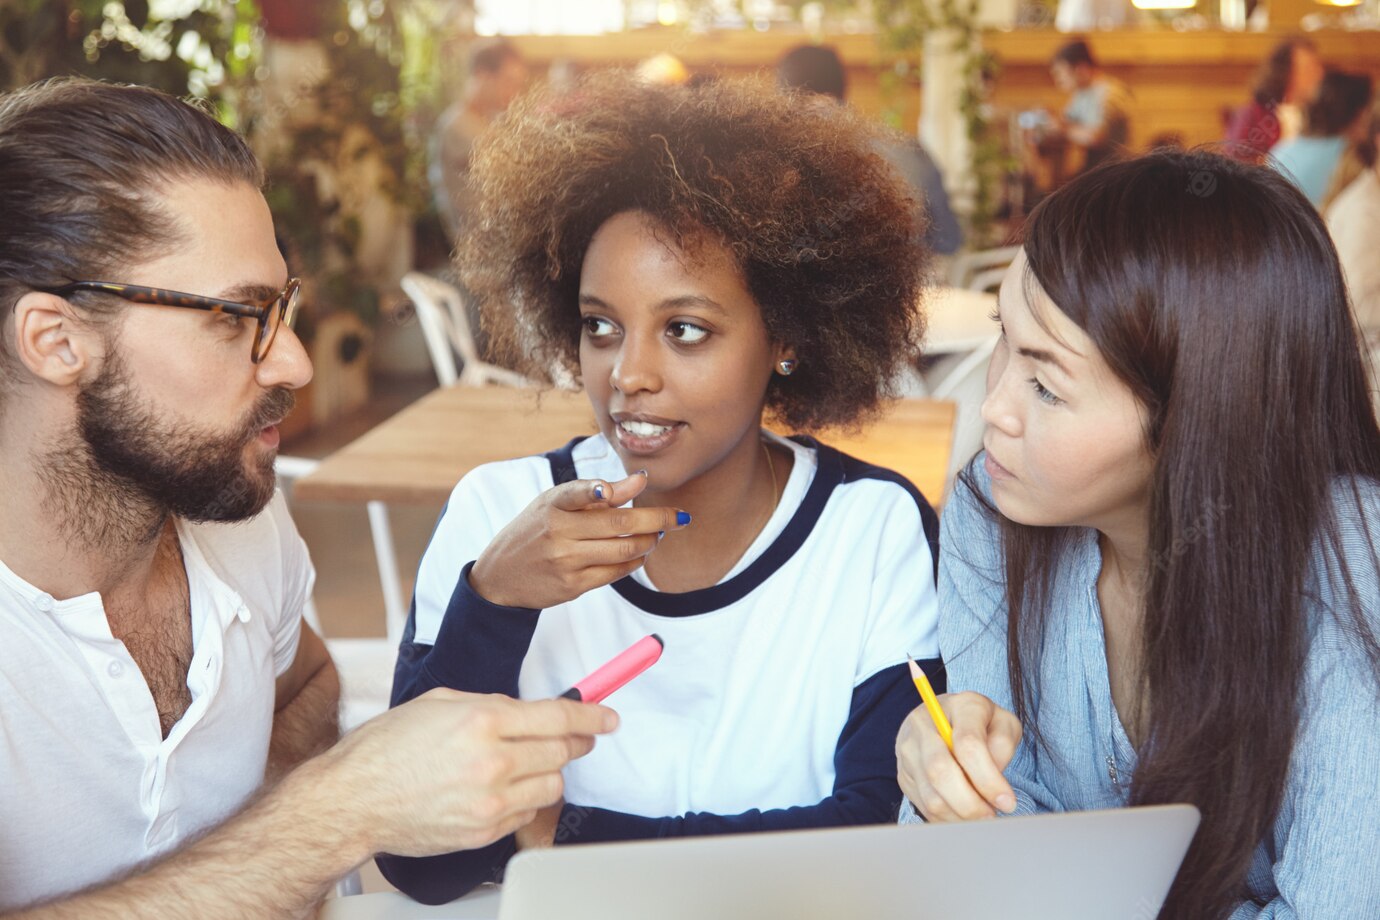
82	164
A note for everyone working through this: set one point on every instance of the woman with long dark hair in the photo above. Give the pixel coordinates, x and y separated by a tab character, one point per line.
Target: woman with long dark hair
1287	82
1159	581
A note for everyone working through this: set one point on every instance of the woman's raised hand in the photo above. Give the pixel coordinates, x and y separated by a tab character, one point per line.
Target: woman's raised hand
569	540
967	783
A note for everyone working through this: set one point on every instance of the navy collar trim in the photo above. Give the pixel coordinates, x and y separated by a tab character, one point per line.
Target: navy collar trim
829	473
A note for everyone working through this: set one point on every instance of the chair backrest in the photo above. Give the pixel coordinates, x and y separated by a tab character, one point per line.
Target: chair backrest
966	385
444	317
441	311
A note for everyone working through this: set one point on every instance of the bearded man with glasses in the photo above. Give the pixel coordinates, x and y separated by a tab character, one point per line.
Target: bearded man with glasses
168	732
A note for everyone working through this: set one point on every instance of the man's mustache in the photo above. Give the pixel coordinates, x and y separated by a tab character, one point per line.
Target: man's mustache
273	408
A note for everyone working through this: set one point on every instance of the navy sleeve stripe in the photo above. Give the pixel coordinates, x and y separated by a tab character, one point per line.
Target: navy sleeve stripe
562	462
479	648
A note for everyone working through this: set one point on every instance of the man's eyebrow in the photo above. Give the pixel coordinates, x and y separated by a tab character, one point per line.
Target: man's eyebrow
249	293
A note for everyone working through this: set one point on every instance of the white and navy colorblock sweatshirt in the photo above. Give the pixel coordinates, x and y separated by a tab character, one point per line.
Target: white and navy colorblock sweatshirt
777	700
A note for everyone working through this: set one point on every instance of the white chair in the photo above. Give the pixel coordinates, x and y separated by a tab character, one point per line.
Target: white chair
966	385
365	665
441	310
971	268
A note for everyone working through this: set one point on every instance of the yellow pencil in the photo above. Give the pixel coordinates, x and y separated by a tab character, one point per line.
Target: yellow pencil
922	683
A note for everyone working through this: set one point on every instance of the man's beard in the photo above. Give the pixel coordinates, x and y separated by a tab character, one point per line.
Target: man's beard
141	468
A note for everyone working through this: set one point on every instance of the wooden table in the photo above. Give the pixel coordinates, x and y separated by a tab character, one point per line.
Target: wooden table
418	455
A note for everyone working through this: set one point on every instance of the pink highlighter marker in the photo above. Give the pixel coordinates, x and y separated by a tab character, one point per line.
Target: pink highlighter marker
629	663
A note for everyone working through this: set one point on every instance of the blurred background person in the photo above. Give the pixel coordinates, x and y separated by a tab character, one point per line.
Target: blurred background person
1097	117
497	75
1095	123
1353	219
1287	82
818	70
1336	119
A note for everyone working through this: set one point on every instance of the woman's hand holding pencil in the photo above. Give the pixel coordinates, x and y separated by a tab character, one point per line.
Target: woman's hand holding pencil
962	782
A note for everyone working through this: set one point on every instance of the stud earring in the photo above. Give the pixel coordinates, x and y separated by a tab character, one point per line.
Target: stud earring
785	368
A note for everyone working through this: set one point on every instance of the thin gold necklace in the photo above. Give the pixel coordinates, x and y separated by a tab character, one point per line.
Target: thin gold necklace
772	468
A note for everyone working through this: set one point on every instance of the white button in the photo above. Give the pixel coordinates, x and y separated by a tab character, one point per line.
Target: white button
44	603
243	614
115	668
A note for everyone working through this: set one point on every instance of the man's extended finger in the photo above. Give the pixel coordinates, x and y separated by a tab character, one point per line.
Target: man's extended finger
538	756
554	718
536	791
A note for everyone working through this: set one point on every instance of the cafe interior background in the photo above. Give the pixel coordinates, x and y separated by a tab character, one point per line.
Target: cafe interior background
340	99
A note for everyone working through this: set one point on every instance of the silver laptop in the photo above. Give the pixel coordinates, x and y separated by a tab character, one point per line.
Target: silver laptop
1099	865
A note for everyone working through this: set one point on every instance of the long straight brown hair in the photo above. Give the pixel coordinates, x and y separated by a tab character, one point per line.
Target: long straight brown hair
1212	290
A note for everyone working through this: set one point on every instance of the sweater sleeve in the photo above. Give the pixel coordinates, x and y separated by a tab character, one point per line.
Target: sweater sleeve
865	788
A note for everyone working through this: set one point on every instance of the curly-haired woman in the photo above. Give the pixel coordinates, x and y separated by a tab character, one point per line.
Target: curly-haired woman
695	257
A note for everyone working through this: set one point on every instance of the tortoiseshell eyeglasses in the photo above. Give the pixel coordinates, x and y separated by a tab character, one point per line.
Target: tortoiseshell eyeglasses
270	314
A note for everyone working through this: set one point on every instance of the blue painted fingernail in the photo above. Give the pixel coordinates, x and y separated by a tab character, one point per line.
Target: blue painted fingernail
682	518
599	492
660	534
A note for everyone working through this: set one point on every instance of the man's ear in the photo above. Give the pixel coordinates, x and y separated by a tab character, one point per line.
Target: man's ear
51	340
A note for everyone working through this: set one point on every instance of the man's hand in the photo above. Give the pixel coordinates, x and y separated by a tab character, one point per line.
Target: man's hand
451	771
